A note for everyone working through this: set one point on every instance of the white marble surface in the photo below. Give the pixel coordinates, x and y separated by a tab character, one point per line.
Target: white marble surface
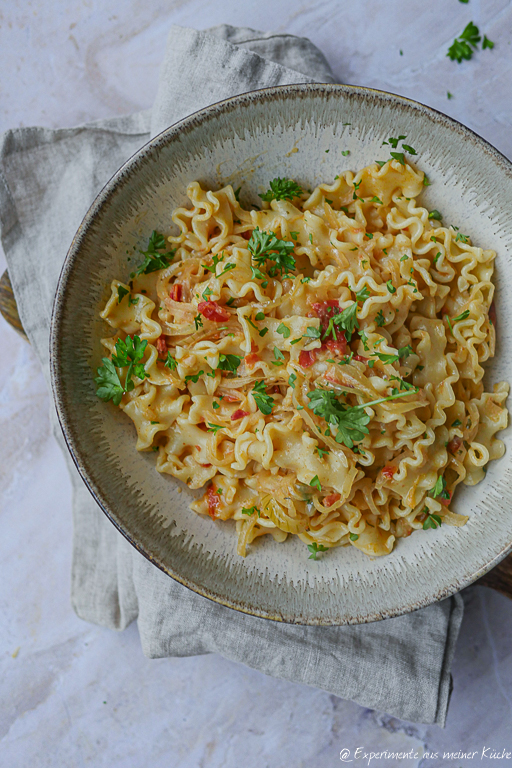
72	694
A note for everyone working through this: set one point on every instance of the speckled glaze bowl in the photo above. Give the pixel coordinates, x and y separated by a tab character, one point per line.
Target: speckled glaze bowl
298	131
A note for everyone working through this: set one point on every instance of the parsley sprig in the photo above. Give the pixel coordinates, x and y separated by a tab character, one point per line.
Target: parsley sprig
129	353
264	402
350	421
282	189
229	363
154	260
265	246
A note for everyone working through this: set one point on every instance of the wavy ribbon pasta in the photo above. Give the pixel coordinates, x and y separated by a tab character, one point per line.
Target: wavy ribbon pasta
240	336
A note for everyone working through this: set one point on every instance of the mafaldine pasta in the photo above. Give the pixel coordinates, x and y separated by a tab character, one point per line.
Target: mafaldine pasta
315	366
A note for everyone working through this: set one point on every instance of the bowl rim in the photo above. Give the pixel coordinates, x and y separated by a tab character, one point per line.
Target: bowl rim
186	124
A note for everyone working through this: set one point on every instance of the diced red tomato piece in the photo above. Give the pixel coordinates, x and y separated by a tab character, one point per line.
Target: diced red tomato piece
213	499
331	499
239	414
388	472
161	345
176	292
492	314
246	235
213	311
446	502
360	358
454	444
306	359
339	347
251	359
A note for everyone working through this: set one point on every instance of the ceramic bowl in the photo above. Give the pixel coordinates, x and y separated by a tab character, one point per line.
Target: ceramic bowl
297	131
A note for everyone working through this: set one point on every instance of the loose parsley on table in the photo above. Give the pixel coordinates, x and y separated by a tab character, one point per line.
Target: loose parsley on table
466	43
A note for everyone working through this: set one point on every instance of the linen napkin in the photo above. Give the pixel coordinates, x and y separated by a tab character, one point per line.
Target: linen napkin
48	178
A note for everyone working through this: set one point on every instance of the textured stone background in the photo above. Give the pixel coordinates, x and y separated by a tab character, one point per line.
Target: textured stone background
73	694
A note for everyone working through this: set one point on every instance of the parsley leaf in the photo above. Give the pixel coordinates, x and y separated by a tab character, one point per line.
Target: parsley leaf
391	288
487	43
130	353
346	319
381	320
312	333
154	260
214	428
264	402
461	47
387	358
229	363
282	189
170	363
193	377
265	245
250	511
109	385
315	483
398	156
463	316
315	548
198	322
121	293
321	452
363	294
439	489
291	380
431	521
435	215
278	357
283	330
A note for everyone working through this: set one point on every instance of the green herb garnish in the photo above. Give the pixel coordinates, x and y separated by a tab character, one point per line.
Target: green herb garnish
315	548
265	245
264	402
282	189
154	260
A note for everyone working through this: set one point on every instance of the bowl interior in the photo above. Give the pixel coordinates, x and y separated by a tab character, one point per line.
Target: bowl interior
299	132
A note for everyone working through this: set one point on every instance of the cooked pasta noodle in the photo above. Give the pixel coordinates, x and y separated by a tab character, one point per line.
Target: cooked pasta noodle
263	335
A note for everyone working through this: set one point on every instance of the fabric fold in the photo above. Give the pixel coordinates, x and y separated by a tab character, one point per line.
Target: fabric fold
48	180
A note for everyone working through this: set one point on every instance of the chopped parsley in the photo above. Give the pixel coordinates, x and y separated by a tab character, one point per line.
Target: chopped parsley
457	423
154	260
487	43
387	358
198	322
283	330
170	363
435	215
431	521
463	316
391	288
121	293
353	536
214	428
439	489
321	452
282	189
259	316
363	294
291	380
250	511
278	357
264	402
315	483
294	235
265	245
315	548
381	320
345	152
347	320
312	333
193	377
229	363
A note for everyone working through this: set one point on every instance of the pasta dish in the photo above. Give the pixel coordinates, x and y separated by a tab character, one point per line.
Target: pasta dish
315	365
